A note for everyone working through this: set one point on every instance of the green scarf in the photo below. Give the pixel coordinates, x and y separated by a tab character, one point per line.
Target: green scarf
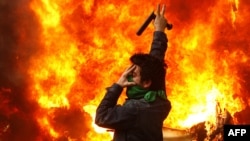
137	92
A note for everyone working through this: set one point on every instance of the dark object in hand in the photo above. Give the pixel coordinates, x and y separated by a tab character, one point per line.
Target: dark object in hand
148	20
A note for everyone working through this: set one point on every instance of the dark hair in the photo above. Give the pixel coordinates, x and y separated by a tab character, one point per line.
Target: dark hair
152	69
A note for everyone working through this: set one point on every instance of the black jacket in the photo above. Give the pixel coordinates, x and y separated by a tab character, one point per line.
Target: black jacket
135	120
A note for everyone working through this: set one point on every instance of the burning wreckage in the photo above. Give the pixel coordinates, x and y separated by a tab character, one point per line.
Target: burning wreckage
203	131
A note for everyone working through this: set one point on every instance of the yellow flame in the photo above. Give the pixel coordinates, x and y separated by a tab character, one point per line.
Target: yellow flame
48	12
45	124
200	83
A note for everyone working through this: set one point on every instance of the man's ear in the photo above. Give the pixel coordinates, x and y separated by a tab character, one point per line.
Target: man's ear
146	84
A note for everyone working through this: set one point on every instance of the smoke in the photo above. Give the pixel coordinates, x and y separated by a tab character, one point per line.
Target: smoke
19	43
186	12
18	28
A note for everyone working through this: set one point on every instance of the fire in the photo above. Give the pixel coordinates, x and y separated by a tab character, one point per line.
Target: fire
81	47
44	122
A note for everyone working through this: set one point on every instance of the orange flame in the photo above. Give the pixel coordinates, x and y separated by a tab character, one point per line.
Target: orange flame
84	45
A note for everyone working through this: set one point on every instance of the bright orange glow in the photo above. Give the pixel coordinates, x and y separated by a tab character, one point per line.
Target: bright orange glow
84	46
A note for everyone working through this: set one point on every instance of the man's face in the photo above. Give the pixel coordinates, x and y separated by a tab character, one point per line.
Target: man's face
137	75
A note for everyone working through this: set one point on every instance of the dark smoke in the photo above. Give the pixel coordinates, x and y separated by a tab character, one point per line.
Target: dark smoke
19	42
18	36
186	11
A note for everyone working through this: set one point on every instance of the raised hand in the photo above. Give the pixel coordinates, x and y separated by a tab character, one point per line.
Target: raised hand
160	21
123	81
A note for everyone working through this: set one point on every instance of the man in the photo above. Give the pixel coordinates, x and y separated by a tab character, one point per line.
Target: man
141	117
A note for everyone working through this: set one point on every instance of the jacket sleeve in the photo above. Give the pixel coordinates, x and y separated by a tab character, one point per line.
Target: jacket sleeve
159	45
113	116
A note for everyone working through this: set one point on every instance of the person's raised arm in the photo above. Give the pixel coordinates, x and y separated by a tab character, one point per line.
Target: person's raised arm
159	43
